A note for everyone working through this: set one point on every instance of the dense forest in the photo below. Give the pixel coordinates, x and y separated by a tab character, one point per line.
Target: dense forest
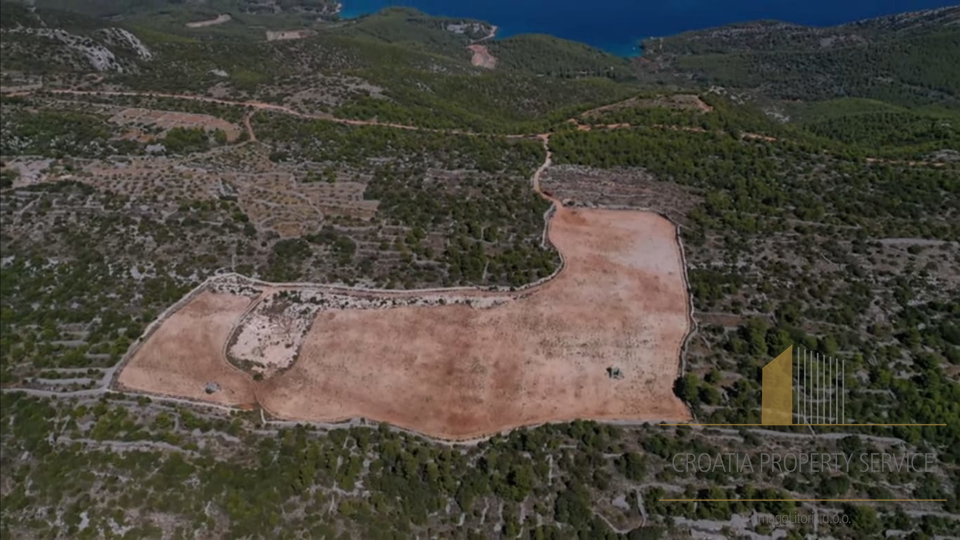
904	59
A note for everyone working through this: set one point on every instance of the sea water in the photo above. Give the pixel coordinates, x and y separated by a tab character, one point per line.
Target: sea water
618	25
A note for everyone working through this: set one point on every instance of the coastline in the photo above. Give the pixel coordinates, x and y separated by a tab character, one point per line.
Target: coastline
611	27
628	50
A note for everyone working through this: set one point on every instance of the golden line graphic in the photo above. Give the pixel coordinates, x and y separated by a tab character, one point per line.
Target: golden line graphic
803	500
777	399
817	387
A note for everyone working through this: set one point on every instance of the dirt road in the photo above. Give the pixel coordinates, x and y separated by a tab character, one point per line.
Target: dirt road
219	19
251	136
259	105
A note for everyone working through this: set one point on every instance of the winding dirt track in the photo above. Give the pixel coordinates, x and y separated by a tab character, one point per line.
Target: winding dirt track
259	105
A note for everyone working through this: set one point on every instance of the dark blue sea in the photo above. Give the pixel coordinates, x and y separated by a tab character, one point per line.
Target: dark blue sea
618	25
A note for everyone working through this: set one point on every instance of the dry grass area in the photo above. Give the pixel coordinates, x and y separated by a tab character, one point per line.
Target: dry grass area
186	353
287	34
457	371
279	202
672	101
637	189
219	19
166	120
273	195
147	178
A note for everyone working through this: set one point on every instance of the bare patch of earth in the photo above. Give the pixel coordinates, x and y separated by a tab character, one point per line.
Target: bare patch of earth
672	101
285	35
219	19
482	57
184	355
459	371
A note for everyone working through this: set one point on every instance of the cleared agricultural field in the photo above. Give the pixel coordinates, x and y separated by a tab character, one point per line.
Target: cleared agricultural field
185	353
458	371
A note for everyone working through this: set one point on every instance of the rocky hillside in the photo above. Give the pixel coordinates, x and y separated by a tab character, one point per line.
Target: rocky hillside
66	41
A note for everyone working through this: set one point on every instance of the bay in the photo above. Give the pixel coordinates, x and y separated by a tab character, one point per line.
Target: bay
618	25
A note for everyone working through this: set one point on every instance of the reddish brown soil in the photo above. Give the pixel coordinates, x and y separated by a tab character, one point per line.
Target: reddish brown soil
482	57
186	353
457	372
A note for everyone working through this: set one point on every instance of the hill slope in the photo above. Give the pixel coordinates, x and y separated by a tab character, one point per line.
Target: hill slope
908	58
